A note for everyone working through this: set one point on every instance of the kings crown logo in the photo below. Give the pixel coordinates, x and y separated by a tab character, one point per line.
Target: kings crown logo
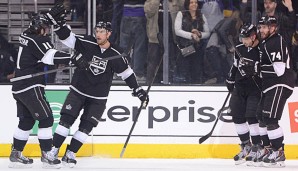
98	67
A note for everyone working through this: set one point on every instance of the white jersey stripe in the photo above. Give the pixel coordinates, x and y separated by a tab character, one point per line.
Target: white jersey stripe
37	91
93	97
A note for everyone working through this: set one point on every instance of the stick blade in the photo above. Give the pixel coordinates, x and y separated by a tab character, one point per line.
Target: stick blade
122	152
204	138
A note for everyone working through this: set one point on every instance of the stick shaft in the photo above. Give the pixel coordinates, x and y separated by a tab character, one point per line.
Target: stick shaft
141	106
62	68
233	45
205	137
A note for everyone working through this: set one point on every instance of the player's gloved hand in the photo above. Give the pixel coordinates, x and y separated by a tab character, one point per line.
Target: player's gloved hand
56	16
142	95
230	84
78	60
249	67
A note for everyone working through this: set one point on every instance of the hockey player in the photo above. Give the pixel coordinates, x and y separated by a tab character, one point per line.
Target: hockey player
90	84
278	82
246	94
35	50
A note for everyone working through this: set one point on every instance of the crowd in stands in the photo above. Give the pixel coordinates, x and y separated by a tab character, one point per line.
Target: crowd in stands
7	60
203	27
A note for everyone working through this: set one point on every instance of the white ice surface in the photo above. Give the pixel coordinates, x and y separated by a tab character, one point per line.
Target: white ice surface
104	164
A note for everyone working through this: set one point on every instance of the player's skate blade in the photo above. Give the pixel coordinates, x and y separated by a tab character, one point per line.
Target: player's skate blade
18	165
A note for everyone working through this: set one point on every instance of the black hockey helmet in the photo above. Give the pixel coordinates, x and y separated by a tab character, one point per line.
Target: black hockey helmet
38	22
247	29
104	24
268	20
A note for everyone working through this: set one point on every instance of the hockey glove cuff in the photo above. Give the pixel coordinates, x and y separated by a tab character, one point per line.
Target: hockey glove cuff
142	95
230	84
131	81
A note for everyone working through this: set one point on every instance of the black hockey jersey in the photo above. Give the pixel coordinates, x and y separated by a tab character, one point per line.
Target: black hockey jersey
34	52
95	82
273	51
242	80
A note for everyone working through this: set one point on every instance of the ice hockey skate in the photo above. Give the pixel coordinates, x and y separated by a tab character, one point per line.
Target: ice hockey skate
254	152
49	160
55	152
240	157
263	152
69	159
17	160
275	159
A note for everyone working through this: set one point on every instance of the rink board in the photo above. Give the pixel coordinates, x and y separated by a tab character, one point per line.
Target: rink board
170	127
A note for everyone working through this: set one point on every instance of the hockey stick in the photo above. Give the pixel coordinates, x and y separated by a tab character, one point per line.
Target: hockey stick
233	45
160	40
205	137
64	68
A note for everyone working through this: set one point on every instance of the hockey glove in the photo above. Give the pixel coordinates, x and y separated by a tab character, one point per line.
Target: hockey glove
230	84
78	60
56	16
142	95
249	67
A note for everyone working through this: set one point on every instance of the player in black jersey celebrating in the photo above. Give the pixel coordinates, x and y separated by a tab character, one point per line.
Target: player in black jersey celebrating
278	82
246	93
35	51
90	84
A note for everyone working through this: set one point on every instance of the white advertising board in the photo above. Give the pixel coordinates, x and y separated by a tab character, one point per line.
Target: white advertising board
174	115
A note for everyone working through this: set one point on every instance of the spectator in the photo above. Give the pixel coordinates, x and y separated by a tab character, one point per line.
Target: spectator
295	51
133	32
246	11
219	50
229	6
151	9
191	27
154	14
285	14
7	62
212	12
76	9
230	27
116	21
174	7
104	10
